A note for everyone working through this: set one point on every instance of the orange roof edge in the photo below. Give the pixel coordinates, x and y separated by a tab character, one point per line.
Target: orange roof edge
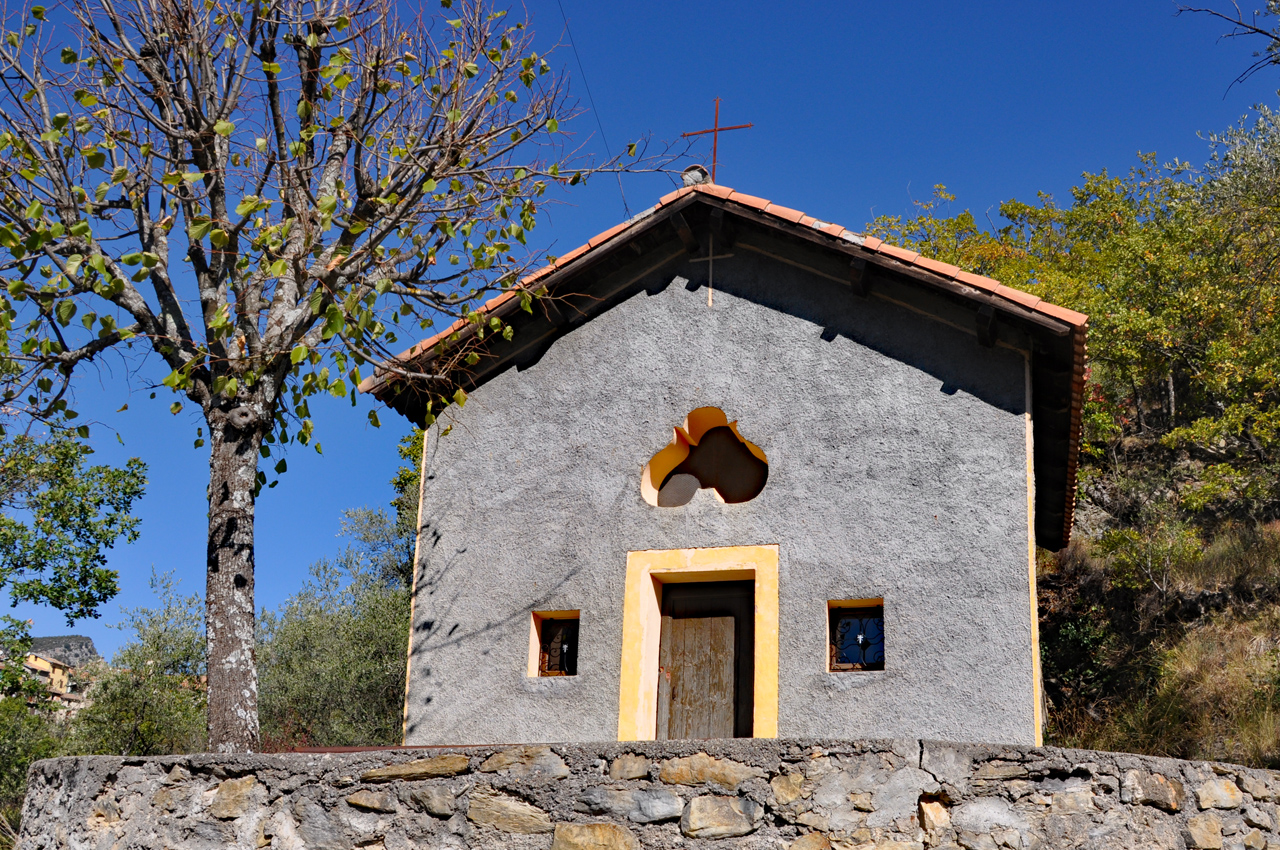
785	214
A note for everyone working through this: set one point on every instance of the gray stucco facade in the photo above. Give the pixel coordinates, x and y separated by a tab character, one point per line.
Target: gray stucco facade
898	468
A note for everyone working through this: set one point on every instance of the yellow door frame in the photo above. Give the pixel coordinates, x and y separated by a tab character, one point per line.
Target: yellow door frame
647	571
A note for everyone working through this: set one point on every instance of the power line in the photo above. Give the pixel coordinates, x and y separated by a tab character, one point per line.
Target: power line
592	101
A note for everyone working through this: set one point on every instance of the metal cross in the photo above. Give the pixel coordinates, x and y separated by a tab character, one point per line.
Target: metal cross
715	132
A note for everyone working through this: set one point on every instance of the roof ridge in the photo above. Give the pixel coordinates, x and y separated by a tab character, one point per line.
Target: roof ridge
873	244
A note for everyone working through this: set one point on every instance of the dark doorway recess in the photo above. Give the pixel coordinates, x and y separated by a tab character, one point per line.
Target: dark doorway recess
706	658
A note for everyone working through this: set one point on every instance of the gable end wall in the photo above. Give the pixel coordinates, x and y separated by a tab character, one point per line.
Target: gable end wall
897	450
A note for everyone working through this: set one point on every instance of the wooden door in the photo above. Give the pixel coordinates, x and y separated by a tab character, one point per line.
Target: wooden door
705	661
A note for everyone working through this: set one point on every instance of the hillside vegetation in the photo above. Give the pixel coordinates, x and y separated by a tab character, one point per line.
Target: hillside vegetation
1159	624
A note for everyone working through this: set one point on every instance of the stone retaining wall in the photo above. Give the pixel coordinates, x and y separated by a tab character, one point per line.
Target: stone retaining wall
801	795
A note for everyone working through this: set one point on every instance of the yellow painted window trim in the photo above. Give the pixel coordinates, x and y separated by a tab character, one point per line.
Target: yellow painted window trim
647	571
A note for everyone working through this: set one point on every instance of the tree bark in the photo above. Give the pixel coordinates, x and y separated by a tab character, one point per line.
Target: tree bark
235	438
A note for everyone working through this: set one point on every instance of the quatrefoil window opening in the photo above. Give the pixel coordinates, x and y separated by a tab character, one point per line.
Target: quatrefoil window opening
707	452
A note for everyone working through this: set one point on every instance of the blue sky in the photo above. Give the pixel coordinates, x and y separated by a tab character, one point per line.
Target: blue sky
858	108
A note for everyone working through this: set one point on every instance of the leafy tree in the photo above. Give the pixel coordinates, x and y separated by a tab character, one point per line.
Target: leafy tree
151	700
387	543
333	656
25	736
264	194
1184	392
333	659
58	516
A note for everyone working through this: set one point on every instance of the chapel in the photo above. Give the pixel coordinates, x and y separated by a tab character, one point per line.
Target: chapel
738	472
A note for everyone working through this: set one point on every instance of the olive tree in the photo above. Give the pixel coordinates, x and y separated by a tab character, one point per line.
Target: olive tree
263	194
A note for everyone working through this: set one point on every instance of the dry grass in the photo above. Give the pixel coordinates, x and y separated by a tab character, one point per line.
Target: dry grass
1216	696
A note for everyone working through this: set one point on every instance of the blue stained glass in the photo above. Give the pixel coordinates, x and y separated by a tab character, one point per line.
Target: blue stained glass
859	639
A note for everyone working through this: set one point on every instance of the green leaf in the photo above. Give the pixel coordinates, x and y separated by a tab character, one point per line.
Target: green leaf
279	267
35	209
298	354
219	238
193	176
460	397
552	125
373	419
69	56
80	228
65	310
175	408
271	67
96	159
247	204
260	144
334	323
224	128
200	230
37	12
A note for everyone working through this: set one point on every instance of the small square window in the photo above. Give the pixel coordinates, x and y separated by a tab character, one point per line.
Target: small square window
553	644
855	635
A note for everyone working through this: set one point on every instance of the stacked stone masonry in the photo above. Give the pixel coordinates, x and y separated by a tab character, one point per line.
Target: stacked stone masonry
791	795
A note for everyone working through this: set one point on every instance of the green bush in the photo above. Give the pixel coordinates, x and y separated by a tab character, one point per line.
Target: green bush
332	660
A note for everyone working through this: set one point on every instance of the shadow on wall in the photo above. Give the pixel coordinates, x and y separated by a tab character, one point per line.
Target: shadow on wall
436	624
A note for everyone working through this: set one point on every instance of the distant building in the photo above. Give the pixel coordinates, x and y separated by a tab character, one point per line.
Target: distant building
53	659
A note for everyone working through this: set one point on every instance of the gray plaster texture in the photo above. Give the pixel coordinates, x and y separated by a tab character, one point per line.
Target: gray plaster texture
897	469
757	794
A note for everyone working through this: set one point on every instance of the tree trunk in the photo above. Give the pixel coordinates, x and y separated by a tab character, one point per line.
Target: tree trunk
235	438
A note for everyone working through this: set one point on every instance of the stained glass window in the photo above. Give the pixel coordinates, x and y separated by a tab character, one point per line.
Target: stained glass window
558	655
856	639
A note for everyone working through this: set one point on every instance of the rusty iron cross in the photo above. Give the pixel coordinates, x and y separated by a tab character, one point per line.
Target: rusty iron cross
715	132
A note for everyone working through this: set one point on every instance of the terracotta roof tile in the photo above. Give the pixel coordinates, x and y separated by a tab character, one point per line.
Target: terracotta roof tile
1026	299
978	281
810	221
674	196
608	234
784	213
944	269
897	253
834	230
565	259
1071	317
749	200
872	243
713	190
